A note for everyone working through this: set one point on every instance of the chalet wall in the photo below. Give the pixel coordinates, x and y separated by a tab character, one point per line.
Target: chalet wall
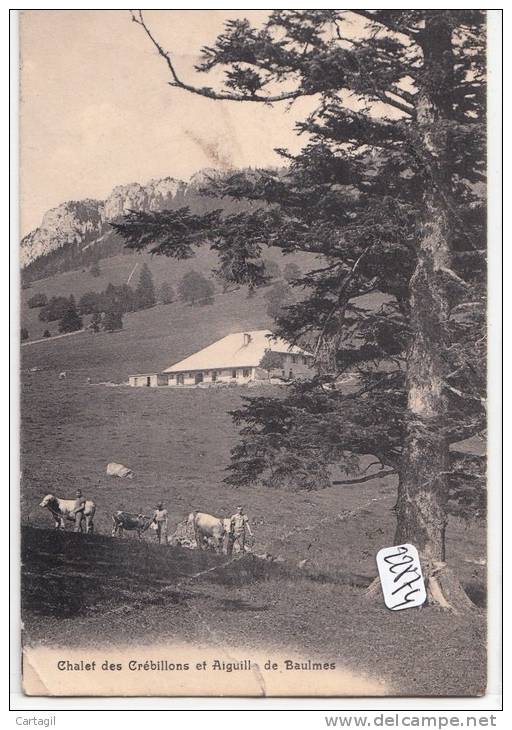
293	366
148	380
226	375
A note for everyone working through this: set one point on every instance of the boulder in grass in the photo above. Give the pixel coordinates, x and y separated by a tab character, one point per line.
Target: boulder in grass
119	470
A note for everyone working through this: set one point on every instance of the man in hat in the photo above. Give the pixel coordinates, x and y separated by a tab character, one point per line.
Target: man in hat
160	518
79	510
238	527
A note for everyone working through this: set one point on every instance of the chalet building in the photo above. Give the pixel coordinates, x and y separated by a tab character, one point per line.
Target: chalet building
234	359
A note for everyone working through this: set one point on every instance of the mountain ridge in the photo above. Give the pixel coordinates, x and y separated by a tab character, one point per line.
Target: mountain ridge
77	232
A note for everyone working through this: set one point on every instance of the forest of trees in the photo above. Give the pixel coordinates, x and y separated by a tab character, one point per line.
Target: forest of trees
388	193
107	307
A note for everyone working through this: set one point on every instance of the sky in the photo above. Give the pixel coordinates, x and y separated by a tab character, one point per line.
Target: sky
96	110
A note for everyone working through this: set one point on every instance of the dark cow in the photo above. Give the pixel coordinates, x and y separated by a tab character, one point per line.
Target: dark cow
129	521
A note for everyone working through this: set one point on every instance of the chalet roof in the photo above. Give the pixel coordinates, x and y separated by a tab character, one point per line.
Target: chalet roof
241	349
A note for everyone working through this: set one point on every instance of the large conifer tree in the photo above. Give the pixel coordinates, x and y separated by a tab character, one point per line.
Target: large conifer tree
387	192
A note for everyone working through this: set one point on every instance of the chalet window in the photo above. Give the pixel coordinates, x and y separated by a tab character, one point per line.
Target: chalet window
214	375
180	379
234	373
246	372
294	359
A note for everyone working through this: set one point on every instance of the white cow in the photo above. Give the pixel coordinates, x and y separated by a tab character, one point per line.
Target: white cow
208	530
63	509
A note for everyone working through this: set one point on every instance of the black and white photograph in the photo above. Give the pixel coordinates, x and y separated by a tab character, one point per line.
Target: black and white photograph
253	336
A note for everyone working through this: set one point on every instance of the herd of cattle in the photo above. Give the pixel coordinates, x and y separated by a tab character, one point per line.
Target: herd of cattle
208	531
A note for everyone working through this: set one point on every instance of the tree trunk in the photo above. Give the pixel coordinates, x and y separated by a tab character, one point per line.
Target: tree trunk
423	482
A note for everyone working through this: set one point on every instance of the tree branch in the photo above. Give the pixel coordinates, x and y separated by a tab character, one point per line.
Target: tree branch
368	478
386	22
386	99
339	302
454	277
403	94
461	394
137	17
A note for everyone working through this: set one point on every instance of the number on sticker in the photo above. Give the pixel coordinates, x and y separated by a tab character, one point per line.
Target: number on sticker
401	577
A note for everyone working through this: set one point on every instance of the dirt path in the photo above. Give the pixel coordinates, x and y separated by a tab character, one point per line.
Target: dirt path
55	337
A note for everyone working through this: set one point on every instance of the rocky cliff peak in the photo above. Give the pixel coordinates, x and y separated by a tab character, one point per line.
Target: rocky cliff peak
70	222
81	222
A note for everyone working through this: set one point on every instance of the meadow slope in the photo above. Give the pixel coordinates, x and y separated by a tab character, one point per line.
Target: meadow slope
103	594
126	267
178	444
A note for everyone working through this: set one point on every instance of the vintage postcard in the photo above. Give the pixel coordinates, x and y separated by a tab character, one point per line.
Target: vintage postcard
253	352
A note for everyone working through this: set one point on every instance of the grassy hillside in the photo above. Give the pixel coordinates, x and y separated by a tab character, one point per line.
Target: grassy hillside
150	341
178	444
117	270
85	589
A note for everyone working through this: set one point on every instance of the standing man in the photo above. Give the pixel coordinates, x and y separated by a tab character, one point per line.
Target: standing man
79	511
239	525
160	518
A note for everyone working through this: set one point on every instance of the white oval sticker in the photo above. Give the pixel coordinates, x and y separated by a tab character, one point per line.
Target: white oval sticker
401	577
